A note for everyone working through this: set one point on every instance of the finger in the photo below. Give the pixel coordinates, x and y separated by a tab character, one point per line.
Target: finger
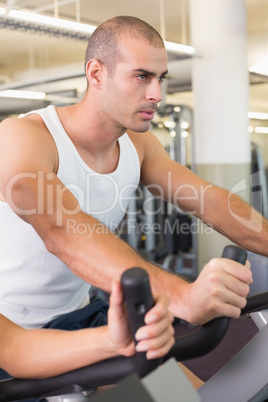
248	266
155	343
235	299
154	354
227	304
160	308
160	343
229	310
116	297
238	278
116	308
228	274
236	286
241	272
155	329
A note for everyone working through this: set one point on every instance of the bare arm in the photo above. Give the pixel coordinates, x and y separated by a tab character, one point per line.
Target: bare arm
100	257
42	353
225	212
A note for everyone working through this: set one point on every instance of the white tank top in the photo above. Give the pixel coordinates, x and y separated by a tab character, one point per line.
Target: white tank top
35	285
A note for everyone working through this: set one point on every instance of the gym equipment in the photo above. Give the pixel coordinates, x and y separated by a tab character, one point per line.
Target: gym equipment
259	185
155	228
137	294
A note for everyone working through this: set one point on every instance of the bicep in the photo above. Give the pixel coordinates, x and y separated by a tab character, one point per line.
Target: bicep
27	163
24	151
28	180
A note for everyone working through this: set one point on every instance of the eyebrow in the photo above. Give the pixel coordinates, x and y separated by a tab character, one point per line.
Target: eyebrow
150	73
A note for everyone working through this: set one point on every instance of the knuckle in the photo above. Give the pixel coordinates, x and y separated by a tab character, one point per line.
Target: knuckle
214	277
215	307
246	291
216	294
243	303
237	313
213	264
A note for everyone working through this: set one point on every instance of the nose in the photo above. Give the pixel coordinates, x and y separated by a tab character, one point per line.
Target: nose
154	93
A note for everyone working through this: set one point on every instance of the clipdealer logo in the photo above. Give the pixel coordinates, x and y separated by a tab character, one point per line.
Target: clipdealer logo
255	220
50	199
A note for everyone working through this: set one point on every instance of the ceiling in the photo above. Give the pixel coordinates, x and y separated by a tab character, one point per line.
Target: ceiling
55	65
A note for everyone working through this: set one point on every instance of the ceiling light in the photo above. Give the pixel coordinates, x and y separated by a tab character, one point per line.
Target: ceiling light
184	134
10	93
56	22
261	130
170	124
41	23
177	47
184	125
258	116
259	69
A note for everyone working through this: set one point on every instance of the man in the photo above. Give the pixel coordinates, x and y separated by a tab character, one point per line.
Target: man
66	175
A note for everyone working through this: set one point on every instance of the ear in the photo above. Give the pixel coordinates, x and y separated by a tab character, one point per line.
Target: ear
94	71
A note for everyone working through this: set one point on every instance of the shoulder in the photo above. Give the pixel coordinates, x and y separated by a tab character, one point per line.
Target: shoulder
29	125
27	135
147	145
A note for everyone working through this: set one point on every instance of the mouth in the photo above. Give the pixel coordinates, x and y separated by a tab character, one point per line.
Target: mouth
148	114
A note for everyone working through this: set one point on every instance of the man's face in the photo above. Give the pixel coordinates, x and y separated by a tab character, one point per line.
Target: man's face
131	95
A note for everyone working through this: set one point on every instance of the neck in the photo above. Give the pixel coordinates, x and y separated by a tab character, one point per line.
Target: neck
91	126
96	142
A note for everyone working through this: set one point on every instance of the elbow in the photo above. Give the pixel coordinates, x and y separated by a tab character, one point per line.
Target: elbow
51	245
24	371
15	365
53	238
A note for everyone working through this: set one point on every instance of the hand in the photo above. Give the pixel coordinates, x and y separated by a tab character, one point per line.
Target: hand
220	290
156	337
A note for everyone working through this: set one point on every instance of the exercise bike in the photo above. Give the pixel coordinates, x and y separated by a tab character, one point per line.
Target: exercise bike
233	383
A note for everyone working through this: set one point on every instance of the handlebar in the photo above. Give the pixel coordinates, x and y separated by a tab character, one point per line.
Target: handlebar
138	297
210	334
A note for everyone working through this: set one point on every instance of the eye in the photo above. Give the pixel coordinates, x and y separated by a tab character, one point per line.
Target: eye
142	77
162	78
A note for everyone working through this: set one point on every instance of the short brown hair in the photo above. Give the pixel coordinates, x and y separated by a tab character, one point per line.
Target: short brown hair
103	44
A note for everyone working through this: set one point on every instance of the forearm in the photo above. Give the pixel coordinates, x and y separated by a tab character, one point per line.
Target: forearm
236	219
224	211
103	257
97	257
41	353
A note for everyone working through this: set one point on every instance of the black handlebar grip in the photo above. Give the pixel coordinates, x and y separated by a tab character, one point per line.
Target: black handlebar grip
235	253
210	334
138	296
139	300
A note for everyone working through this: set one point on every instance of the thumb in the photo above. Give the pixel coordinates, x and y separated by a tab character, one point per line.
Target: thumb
116	300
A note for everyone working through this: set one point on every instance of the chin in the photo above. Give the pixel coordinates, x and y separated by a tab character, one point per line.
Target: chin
141	128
